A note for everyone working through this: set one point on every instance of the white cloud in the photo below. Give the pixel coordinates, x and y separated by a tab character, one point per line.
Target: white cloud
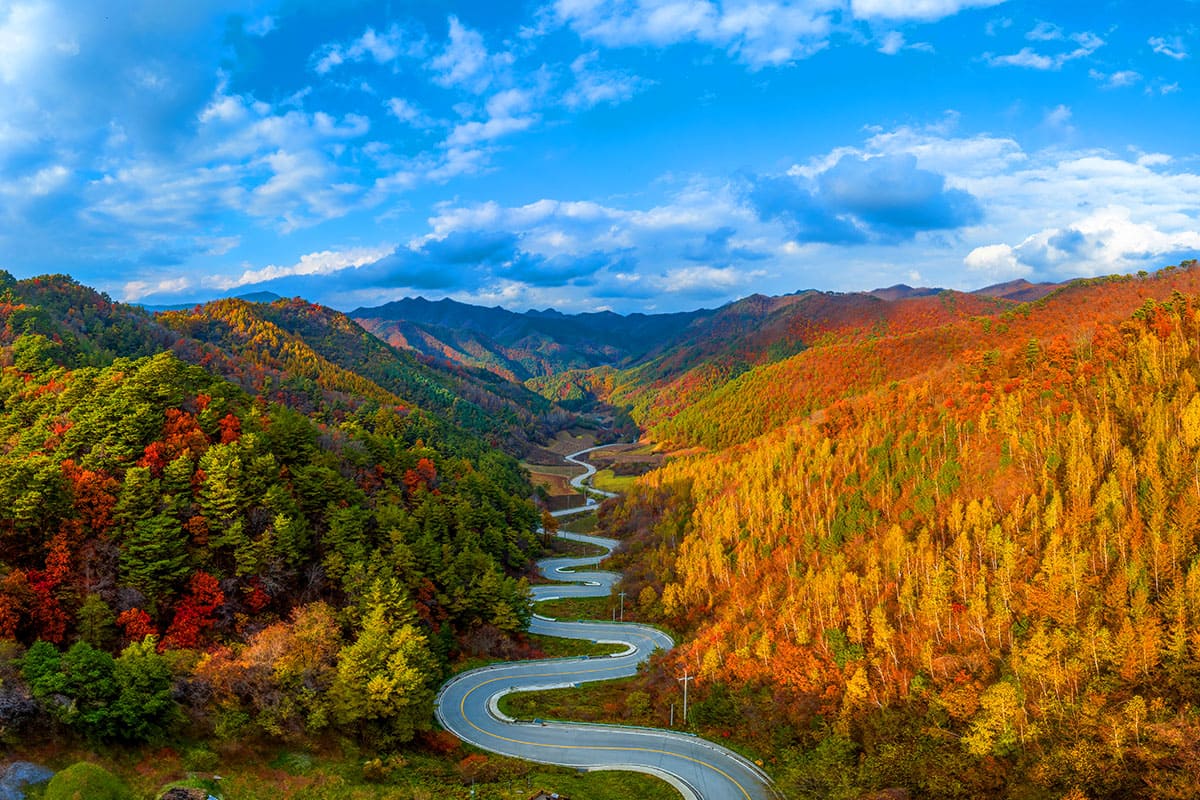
1059	119
465	61
382	48
551	228
1085	43
456	161
1153	159
997	261
936	149
927	10
124	144
509	102
221	245
759	33
36	185
772	34
1040	215
1045	32
324	262
475	132
1088	43
136	290
261	26
891	43
283	168
1115	80
994	26
409	113
1026	57
595	86
509	111
1171	48
47	180
30	34
707	280
1105	241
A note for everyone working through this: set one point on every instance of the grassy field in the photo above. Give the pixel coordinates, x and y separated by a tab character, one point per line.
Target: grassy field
572	441
608	701
579	523
562	469
607	481
577	608
554	647
556	484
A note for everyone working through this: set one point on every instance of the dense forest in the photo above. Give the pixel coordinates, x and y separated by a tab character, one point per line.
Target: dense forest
955	555
278	540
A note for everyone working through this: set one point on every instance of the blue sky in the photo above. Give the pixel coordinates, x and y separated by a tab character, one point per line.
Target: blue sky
638	155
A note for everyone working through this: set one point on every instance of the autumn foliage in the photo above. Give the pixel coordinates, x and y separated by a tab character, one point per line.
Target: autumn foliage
994	535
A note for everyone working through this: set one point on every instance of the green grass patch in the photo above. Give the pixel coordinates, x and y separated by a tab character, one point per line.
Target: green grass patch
580	523
618	702
577	608
562	470
606	480
84	779
554	647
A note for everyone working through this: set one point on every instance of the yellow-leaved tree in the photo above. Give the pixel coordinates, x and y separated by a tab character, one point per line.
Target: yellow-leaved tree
384	678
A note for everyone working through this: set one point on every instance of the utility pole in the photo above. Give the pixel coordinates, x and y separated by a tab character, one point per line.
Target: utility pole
672	725
685	680
622	606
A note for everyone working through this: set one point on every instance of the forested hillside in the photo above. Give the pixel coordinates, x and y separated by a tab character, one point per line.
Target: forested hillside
178	553
306	353
963	564
754	333
758	332
756	371
520	346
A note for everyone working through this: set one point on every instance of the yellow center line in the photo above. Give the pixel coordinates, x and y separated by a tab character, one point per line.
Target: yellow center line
462	707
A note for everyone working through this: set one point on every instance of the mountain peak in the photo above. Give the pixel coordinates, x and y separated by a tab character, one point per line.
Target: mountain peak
902	291
1019	290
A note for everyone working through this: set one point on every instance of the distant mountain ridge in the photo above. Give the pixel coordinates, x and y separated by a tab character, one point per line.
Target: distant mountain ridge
515	345
250	297
551	350
1020	290
310	357
299	347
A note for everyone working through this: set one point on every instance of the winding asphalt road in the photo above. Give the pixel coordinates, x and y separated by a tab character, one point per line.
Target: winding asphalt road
467	704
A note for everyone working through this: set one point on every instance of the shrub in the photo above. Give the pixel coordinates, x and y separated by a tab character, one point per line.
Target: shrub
86	781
